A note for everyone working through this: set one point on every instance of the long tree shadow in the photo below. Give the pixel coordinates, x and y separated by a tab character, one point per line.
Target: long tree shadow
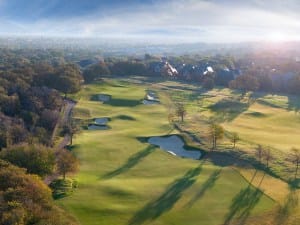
118	102
167	200
208	184
289	206
243	203
293	103
227	110
131	162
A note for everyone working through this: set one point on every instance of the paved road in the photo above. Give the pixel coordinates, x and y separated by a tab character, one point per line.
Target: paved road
69	105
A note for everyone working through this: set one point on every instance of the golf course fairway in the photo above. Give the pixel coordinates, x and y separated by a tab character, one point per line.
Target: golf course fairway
123	181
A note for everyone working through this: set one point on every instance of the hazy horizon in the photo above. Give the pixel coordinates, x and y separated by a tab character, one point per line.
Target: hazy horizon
171	21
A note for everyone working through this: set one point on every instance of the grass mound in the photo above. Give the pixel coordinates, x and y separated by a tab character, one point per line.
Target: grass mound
126	117
63	187
256	114
228	109
81	113
119	102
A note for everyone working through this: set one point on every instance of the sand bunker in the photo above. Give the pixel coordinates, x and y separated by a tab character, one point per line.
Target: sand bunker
175	146
99	124
149	102
151	98
101	121
104	97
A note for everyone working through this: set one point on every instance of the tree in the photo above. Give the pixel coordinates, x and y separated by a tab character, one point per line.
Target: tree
70	129
216	133
16	134
245	83
95	71
180	111
37	159
67	79
259	151
294	157
25	199
294	84
267	155
208	83
49	119
66	163
235	138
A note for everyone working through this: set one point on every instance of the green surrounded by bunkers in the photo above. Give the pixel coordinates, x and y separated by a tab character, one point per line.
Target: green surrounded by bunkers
126	181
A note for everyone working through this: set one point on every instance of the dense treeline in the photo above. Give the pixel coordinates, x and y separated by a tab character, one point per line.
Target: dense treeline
32	85
248	73
36	159
30	99
26	200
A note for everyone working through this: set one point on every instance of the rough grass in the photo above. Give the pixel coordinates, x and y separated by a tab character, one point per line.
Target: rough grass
258	118
82	113
270	120
124	181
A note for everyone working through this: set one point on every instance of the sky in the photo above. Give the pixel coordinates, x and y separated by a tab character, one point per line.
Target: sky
165	21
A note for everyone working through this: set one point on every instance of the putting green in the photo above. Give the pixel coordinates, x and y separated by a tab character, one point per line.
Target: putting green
125	182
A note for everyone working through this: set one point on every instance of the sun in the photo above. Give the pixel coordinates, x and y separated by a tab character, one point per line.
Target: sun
277	37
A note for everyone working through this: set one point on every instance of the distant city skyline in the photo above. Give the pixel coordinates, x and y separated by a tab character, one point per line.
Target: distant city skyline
170	21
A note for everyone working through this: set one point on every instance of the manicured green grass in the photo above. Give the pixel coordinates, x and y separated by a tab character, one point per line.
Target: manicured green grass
124	181
259	118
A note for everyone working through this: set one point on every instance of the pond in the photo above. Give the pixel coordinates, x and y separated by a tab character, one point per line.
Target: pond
99	124
104	97
174	145
98	127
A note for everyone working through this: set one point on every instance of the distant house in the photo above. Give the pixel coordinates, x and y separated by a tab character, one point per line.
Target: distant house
209	70
163	68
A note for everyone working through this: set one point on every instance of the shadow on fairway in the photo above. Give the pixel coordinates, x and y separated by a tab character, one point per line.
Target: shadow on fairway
131	162
227	110
243	203
208	184
119	102
291	204
126	117
167	200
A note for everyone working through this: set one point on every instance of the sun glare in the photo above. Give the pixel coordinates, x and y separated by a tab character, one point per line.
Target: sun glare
277	37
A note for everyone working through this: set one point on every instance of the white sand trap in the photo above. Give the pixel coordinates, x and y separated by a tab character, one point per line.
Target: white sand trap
172	153
174	145
151	99
101	121
148	102
104	98
97	127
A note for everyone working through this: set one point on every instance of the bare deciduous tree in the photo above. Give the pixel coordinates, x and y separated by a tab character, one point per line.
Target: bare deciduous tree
234	139
259	152
216	133
294	157
180	111
267	155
